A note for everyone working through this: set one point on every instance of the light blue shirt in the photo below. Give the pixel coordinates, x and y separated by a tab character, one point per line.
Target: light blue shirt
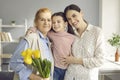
16	61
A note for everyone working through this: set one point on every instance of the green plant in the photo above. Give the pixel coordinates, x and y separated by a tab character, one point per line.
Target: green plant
115	40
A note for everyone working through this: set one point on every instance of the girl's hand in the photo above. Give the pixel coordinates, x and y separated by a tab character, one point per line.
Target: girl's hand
31	30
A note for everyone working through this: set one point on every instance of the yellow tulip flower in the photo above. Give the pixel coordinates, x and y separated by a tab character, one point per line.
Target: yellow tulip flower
31	57
28	60
29	52
24	53
36	54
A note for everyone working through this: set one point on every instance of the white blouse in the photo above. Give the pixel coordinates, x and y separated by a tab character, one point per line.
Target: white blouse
89	47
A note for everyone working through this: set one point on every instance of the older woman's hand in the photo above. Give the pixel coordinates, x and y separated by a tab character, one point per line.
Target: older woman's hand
35	77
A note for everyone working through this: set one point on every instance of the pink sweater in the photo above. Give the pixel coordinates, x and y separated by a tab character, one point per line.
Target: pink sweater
61	46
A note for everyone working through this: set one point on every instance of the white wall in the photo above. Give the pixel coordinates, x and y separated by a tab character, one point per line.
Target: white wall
18	10
110	20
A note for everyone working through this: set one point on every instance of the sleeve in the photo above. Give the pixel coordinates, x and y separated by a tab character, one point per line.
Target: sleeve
16	61
98	57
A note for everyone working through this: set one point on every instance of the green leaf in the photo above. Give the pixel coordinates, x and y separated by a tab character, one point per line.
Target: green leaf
115	40
43	67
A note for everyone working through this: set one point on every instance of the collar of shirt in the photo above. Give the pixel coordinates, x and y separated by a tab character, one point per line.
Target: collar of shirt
42	37
63	33
89	27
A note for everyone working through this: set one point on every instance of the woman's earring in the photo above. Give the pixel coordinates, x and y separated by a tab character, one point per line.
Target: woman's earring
66	28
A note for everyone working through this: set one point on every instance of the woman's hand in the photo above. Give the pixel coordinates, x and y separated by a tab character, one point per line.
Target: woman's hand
71	60
35	77
67	60
31	30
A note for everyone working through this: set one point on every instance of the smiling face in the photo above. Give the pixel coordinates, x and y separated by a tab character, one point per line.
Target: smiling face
74	18
58	24
43	20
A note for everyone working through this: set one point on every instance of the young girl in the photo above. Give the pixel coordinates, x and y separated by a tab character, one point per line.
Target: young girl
61	43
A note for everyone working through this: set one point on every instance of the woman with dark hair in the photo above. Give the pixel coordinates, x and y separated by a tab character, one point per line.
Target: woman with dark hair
87	48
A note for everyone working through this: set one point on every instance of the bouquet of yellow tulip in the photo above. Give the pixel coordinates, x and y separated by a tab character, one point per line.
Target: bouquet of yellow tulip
33	57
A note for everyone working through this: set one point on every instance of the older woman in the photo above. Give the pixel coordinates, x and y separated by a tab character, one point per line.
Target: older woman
36	40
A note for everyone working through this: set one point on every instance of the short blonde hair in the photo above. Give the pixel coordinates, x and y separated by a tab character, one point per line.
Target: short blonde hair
41	10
